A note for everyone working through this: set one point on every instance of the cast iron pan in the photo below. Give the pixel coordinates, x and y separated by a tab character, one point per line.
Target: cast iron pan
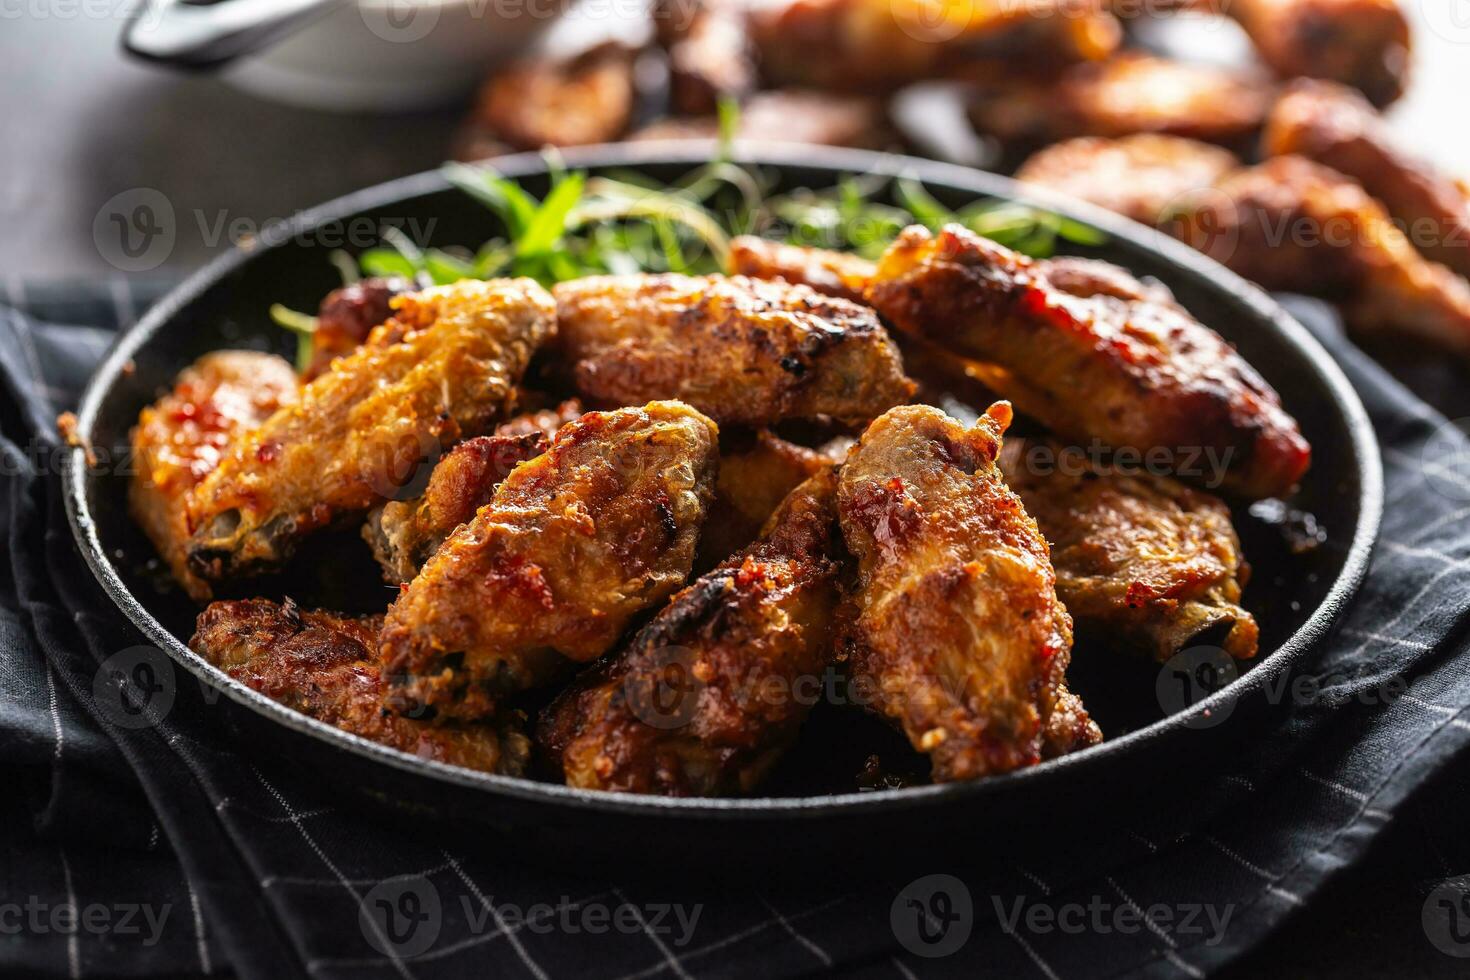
813	804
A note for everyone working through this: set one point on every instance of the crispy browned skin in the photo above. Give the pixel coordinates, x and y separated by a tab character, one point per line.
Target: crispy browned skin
443	369
740	350
1336	127
792	116
325	666
346	317
1132	93
547	102
1139	177
1362	43
958	638
1294	225
547	421
756	474
827	271
574	544
879	46
711	692
181	438
708	51
1142	561
404	533
1135	373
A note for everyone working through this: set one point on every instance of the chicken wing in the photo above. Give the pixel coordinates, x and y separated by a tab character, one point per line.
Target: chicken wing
756	474
574	544
443	369
1140	177
1132	93
1294	225
792	116
1134	373
1362	43
1336	127
958	636
708	50
539	102
710	693
180	439
1142	561
740	350
829	272
881	45
346	317
324	666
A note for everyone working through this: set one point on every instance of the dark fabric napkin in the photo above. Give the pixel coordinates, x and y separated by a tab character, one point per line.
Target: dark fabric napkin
230	860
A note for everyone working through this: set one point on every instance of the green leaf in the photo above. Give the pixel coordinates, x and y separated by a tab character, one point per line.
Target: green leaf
728	112
515	207
921	204
346	266
386	262
549	222
445	268
303	325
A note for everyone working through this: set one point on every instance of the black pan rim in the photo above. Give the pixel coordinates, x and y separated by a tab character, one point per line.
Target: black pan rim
1363	446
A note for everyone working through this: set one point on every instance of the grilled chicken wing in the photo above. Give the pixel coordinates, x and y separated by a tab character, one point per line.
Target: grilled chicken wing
443	369
791	116
740	350
708	50
1133	93
712	691
832	273
181	438
958	636
573	545
1142	561
539	102
756	474
1337	128
1140	177
1362	43
1291	224
879	45
1134	373
324	666
404	533
346	317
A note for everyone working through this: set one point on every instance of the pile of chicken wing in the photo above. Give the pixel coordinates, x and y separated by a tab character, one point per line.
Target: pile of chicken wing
632	525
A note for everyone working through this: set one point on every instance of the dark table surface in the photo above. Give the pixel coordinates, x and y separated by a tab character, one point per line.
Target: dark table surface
81	124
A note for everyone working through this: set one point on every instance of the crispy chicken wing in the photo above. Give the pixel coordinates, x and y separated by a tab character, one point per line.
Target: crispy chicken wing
958	636
549	102
347	316
1142	561
1294	225
443	369
180	439
1336	127
756	473
740	350
829	272
1132	93
1134	373
711	692
1140	177
792	116
574	544
404	533
708	50
881	45
325	666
